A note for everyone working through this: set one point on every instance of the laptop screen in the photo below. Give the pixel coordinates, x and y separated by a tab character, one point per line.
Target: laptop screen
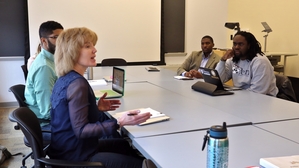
118	80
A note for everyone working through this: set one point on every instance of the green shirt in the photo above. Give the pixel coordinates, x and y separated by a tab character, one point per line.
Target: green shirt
40	81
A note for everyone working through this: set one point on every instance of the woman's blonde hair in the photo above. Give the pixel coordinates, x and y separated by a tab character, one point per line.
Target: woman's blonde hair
68	46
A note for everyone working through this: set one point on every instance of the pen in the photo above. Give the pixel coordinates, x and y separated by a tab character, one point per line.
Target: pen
130	114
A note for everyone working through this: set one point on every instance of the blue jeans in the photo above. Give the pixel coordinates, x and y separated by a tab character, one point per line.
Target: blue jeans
46	135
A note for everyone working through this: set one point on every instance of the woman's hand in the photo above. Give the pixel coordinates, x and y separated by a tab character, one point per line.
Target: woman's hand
108	105
133	117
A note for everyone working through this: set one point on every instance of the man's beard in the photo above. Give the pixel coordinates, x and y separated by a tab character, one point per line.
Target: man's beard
51	47
237	58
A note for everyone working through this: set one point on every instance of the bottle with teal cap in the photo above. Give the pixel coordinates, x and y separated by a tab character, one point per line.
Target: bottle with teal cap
217	152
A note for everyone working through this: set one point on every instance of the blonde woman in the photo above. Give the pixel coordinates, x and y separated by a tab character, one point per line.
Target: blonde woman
77	121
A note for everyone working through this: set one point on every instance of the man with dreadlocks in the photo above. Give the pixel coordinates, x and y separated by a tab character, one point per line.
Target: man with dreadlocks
247	66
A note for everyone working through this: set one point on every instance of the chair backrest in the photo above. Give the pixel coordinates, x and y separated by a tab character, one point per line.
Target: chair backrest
114	62
274	60
295	84
18	91
25	71
285	88
219	52
29	124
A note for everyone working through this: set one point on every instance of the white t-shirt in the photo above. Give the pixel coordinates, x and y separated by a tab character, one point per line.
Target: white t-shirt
30	60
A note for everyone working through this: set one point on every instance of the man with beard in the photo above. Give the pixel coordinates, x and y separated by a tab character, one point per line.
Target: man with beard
247	66
42	76
205	58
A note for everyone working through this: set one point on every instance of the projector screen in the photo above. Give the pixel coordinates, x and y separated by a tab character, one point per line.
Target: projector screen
128	29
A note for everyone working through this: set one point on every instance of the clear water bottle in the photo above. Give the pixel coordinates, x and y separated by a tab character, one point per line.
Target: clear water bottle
217	152
89	72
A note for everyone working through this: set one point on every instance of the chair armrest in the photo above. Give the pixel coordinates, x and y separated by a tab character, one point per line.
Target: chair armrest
67	163
11	118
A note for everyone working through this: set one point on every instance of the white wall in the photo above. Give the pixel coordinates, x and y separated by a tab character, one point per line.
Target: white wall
12	74
282	17
128	29
203	18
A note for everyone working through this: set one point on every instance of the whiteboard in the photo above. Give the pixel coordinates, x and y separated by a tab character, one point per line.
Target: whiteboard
128	29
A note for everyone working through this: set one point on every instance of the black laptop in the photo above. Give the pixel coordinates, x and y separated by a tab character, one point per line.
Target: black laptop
212	84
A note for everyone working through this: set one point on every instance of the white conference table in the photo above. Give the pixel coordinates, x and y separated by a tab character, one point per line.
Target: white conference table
185	114
248	105
135	73
177	142
247	144
286	129
253	107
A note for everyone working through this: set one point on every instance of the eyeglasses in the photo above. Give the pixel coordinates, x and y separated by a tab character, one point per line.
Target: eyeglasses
53	37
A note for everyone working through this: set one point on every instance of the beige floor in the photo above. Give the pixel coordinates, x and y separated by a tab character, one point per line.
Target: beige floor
13	140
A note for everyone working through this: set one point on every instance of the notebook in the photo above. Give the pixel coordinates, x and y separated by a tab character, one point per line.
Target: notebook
152	69
99	82
182	78
118	85
156	116
280	162
212	85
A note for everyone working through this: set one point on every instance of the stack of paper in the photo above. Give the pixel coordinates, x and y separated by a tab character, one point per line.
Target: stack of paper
152	69
182	78
154	113
98	82
280	162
